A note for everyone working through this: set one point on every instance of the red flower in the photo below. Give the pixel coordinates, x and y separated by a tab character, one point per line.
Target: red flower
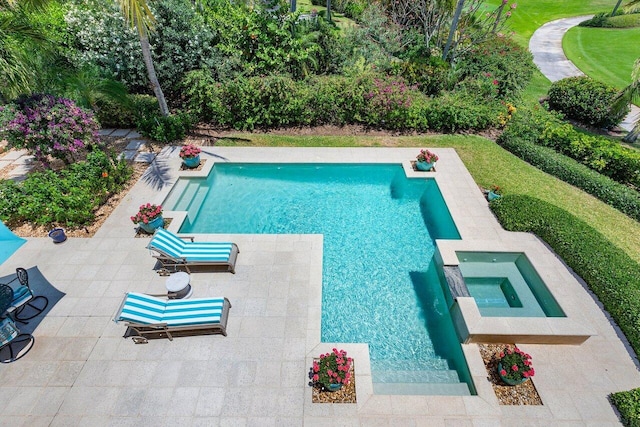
514	368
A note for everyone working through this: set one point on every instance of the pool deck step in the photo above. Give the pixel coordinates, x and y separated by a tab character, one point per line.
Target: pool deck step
437	389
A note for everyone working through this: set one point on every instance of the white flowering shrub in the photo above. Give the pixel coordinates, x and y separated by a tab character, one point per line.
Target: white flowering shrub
99	35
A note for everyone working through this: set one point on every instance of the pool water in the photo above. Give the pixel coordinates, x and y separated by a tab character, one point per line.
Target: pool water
380	285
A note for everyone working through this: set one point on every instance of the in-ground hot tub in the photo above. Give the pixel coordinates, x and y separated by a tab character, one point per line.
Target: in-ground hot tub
505	284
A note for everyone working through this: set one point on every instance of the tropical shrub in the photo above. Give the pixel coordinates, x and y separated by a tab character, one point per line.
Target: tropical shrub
49	127
165	128
98	35
113	114
586	100
503	61
628	404
68	197
608	271
430	76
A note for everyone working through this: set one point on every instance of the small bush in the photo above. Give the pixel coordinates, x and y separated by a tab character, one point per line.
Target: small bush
599	20
430	77
113	115
624	21
608	271
628	404
165	128
586	100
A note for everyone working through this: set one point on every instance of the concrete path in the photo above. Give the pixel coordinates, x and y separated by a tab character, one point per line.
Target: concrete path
546	47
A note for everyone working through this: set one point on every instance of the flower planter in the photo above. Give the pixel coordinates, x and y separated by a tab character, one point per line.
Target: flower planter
424	166
191	162
58	235
492	196
509	381
333	387
151	226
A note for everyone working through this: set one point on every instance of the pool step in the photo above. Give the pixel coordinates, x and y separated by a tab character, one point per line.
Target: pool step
410	365
436	389
438	376
197	201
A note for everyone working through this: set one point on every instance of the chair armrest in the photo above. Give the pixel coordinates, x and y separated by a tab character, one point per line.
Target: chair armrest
187	238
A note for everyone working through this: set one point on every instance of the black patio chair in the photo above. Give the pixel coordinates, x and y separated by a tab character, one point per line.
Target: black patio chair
23	298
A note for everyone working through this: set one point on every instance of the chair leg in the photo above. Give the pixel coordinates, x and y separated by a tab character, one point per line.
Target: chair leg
37	310
22	343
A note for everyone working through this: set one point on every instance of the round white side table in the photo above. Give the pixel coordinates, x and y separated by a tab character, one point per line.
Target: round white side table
178	285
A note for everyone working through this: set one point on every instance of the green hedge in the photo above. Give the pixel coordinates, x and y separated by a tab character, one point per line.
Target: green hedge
628	403
608	271
369	99
619	196
540	127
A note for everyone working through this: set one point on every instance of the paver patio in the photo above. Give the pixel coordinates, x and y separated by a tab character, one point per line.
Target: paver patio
82	372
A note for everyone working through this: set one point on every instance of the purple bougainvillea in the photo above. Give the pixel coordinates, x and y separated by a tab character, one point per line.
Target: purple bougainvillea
48	126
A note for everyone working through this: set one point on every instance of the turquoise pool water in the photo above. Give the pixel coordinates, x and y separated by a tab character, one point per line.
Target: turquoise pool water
380	285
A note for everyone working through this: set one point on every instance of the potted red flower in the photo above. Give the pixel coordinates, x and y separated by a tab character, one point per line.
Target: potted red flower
514	366
149	217
426	160
331	371
190	155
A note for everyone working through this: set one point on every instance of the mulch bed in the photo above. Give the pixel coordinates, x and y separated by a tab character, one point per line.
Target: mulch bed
522	394
347	394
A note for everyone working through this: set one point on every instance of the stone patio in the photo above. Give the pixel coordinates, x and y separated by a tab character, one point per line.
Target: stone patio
82	372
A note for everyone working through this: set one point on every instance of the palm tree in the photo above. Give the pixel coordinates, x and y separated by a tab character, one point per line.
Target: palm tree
137	14
18	38
615	9
627	96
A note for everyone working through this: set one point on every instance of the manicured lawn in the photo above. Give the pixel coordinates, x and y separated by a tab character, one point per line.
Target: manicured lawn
531	14
489	164
605	54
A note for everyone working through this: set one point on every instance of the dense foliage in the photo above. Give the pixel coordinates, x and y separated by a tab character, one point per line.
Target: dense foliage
68	197
586	100
48	127
628	404
608	271
598	153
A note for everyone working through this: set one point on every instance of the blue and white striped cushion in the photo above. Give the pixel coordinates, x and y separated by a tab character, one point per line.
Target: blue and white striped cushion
145	309
141	308
167	242
175	247
193	312
21	295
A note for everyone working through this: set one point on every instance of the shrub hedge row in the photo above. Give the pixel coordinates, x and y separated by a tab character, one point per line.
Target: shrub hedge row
608	271
541	127
619	196
628	403
367	99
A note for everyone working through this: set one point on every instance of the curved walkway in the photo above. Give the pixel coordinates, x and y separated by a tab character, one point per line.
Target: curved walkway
546	47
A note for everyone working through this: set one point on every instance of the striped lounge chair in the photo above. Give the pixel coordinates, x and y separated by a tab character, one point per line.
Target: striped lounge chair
147	316
174	251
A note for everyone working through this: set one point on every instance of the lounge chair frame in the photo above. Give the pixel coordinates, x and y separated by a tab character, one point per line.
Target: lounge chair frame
142	332
166	260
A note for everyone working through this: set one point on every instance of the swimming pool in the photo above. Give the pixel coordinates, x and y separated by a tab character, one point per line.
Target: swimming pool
380	285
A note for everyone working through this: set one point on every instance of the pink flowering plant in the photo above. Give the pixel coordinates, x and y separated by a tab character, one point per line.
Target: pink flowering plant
331	368
516	364
147	213
48	126
189	151
427	156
